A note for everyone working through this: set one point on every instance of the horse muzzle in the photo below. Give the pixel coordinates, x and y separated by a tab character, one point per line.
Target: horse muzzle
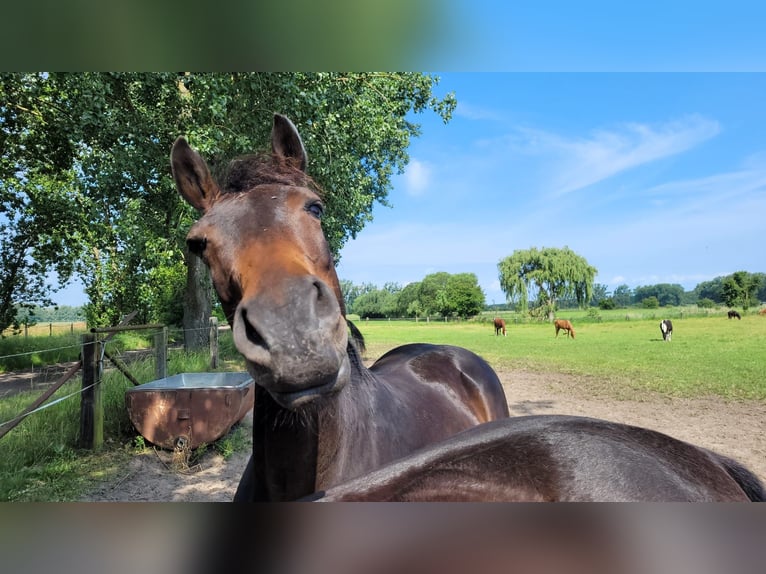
294	340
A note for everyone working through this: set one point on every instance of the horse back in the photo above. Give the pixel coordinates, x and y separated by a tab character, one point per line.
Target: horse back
466	382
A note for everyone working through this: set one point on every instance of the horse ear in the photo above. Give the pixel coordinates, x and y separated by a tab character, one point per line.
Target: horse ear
192	176
286	141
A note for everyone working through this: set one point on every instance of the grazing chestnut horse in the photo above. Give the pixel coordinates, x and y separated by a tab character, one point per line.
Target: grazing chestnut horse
732	314
499	326
320	417
556	458
564	325
666	327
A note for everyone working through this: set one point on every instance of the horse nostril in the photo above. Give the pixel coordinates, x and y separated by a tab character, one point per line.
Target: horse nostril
252	333
318	287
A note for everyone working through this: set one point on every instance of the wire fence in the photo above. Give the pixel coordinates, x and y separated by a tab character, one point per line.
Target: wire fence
178	336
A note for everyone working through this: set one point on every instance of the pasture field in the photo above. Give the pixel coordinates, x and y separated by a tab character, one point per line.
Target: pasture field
708	356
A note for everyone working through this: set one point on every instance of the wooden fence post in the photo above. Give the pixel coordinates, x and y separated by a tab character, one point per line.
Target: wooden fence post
161	352
213	343
91	404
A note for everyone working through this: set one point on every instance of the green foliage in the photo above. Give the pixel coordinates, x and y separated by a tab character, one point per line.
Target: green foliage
85	186
441	293
740	289
622	295
706	303
39	460
546	276
607	303
665	293
650	302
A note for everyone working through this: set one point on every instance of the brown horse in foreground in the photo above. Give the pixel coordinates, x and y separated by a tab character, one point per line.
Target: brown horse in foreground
564	325
556	458
499	326
320	417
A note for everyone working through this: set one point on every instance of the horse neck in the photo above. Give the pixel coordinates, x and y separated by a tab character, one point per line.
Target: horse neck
293	452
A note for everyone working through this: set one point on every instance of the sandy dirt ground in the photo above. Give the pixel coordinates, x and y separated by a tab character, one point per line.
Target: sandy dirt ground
736	429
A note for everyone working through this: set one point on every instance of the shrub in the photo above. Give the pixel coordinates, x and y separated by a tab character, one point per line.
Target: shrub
650	302
706	303
607	303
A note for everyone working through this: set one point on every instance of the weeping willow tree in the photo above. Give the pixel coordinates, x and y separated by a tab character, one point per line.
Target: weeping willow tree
545	276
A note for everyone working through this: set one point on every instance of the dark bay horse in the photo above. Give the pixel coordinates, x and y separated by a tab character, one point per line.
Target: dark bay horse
499	326
564	325
320	417
555	458
734	314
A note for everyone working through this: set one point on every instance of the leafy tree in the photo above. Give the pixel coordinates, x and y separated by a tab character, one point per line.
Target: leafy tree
761	294
665	293
408	304
622	295
650	302
111	133
607	303
375	304
464	297
740	289
432	292
600	292
547	275
710	290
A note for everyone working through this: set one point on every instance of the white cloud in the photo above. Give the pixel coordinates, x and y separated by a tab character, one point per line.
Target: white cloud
417	177
578	163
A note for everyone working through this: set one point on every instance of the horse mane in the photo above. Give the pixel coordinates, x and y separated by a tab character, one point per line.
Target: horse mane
357	337
248	171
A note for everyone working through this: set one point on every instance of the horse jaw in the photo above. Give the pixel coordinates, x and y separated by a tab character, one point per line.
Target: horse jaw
326	386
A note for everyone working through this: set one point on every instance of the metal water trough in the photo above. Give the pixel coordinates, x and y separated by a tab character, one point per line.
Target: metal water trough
189	409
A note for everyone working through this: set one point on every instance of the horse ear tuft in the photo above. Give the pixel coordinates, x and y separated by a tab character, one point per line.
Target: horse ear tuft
287	142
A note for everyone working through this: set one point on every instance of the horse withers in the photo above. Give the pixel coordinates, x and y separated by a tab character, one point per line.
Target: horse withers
564	325
499	326
666	327
321	416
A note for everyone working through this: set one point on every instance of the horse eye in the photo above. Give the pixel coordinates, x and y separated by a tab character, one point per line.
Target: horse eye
316	209
197	245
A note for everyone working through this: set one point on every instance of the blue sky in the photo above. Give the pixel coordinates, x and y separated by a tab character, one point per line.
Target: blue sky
603	126
652	177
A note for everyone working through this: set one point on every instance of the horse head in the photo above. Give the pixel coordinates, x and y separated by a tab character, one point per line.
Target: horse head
260	235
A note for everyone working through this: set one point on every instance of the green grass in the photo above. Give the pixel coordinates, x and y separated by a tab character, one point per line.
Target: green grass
40	460
707	356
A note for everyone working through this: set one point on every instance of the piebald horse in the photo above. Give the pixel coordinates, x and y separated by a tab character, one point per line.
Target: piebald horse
666	328
320	417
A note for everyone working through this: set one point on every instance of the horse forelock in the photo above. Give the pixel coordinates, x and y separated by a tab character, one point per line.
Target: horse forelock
248	171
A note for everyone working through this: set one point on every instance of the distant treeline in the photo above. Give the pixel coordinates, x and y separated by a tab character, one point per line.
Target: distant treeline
432	296
57	314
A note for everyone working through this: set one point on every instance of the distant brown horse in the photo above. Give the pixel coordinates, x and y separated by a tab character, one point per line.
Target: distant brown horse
564	325
762	311
734	314
499	326
321	416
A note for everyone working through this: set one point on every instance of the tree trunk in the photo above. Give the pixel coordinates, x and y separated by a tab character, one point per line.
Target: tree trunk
197	304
